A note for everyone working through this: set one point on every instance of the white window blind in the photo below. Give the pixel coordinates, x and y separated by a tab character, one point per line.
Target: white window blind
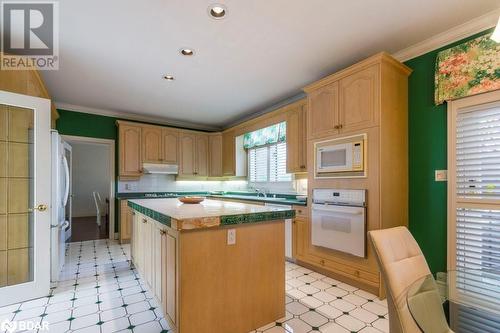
478	153
475	278
268	164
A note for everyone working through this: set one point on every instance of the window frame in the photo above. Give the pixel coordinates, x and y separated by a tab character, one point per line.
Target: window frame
466	104
268	173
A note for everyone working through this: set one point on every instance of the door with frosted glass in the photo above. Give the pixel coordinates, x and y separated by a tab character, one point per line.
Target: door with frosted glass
24	197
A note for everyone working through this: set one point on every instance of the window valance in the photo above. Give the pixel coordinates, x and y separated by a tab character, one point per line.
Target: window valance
265	136
467	69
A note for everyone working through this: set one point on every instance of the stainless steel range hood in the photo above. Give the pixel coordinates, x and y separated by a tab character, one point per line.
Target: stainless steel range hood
164	169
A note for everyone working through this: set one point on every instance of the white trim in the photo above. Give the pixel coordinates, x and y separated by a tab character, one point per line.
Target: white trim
135	116
454	34
112	178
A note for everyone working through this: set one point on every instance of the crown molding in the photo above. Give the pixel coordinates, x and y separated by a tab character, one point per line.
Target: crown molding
449	36
136	117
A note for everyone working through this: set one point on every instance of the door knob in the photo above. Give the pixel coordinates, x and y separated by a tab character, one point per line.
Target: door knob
40	208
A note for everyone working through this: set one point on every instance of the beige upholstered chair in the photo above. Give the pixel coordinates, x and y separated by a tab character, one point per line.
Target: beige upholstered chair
402	263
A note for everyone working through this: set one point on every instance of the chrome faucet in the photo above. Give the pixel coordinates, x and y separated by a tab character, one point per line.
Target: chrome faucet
259	191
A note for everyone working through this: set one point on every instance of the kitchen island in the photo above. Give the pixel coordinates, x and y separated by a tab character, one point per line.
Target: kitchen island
216	266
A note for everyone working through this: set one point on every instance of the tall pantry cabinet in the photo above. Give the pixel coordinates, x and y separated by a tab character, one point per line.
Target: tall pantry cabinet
370	97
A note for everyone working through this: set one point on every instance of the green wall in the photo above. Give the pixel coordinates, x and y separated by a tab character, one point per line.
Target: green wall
84	124
427	152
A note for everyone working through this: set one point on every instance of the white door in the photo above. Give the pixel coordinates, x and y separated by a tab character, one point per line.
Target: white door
68	161
25	197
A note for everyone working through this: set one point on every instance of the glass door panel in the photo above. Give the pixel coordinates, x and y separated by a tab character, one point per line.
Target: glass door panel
20	197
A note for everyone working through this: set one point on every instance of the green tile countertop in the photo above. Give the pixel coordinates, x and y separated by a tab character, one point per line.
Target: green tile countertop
209	213
284	199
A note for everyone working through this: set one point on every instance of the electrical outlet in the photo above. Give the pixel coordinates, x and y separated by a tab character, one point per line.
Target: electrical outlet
231	236
441	175
128	186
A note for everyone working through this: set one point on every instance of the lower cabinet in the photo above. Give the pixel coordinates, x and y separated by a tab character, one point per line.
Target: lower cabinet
126	217
299	231
154	254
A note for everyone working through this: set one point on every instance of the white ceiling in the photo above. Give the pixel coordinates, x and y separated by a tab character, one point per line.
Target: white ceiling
113	53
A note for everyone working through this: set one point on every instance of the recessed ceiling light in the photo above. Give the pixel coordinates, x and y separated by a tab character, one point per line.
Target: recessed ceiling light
187	51
217	11
169	77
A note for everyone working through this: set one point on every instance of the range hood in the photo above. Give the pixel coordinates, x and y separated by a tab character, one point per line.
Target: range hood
165	169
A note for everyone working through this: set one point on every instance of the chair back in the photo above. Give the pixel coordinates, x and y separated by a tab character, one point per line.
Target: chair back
401	263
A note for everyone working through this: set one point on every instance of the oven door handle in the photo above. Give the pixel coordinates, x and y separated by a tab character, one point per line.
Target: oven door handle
339	209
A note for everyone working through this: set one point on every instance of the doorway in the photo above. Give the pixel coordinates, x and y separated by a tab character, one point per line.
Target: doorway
92	188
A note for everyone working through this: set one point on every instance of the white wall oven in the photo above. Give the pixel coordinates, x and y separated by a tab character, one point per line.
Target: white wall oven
339	220
340	157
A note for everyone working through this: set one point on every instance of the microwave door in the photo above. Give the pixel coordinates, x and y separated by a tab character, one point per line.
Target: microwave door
335	159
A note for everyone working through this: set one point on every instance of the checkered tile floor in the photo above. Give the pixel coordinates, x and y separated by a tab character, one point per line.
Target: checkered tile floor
101	293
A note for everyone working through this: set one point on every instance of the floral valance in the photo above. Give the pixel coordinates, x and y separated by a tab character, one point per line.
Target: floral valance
265	136
467	69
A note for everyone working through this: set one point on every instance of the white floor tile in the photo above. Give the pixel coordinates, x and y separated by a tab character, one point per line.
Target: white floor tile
314	319
350	323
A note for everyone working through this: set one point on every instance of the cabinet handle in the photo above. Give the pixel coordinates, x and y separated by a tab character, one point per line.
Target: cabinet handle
144	221
340	126
336	126
299	211
356	273
162	232
322	262
302	166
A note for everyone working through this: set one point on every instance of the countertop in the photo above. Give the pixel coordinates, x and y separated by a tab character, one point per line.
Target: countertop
284	199
209	213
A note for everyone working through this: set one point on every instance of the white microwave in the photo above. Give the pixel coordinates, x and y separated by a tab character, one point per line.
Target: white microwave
332	157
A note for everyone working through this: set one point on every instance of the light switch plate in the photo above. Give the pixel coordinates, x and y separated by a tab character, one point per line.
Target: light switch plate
441	175
231	236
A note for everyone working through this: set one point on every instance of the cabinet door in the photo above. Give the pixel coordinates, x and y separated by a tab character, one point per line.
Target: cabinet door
299	237
187	154
130	150
201	155
359	99
157	262
133	240
296	141
125	221
148	248
215	155
323	111
152	144
228	154
170	146
171	278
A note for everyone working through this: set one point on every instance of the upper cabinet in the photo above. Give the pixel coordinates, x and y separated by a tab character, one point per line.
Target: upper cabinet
215	158
323	111
229	153
170	146
358	102
347	101
187	149
152	144
201	155
129	150
194	154
296	139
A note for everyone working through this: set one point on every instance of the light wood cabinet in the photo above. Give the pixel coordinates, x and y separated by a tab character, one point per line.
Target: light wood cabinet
170	293
215	156
359	99
126	220
170	146
194	154
187	149
296	140
129	150
371	101
323	114
152	144
201	155
154	254
228	153
347	104
299	234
